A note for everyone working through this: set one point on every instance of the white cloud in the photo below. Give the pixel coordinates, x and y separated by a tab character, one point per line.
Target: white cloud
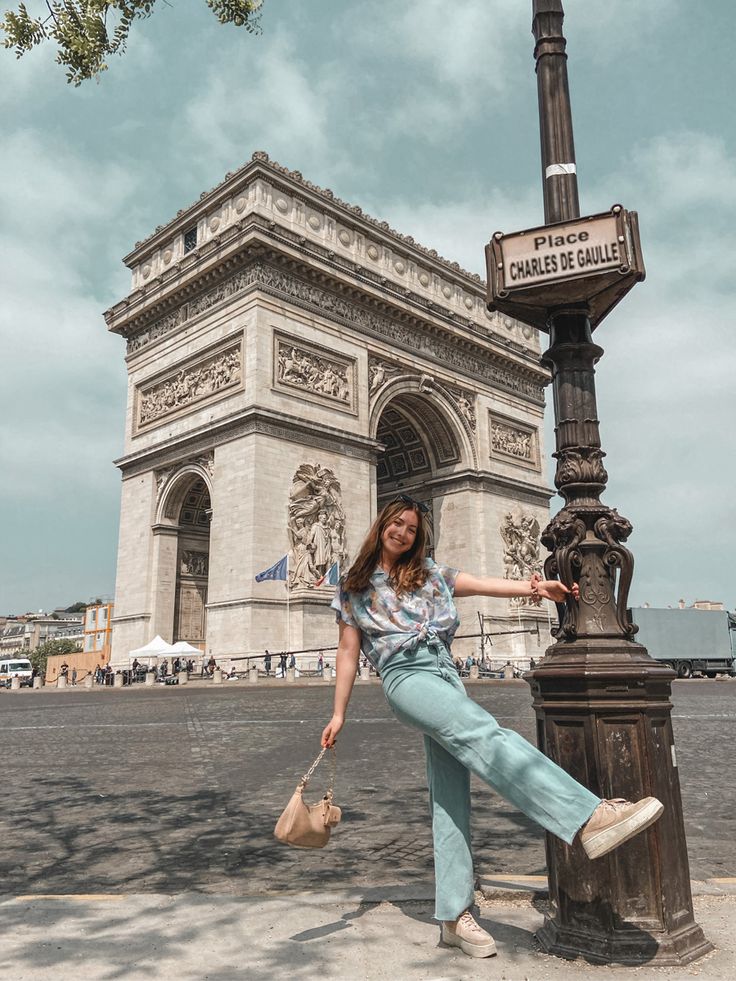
460	226
467	46
613	24
271	101
665	384
64	380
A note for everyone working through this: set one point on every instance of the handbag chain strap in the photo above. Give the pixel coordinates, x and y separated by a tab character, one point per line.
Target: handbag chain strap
333	770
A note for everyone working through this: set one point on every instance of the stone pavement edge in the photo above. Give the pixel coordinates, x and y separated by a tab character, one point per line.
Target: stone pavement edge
352	935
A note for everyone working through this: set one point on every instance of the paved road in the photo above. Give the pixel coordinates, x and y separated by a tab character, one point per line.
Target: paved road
172	791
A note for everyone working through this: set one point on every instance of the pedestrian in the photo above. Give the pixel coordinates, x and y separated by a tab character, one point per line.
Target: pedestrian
292	661
267	662
320	663
74	676
282	664
398	608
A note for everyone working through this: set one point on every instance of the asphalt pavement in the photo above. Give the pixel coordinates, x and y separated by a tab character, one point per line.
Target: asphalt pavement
145	818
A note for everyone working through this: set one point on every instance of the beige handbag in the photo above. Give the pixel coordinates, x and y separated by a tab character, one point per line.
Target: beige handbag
308	825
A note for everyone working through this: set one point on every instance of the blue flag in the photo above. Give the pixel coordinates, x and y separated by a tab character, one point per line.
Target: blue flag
277	571
331	577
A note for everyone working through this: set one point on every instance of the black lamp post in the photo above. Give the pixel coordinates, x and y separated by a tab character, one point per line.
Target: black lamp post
603	705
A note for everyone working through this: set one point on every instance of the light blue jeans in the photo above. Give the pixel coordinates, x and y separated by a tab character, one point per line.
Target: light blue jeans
424	691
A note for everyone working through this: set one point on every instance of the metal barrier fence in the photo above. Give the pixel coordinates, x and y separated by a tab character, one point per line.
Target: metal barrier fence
315	662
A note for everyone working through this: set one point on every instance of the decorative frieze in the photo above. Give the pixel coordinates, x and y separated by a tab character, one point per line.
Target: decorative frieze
230	287
160	328
313	372
514	441
520	534
354	315
188	385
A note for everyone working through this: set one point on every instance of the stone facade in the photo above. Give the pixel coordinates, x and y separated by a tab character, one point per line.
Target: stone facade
293	364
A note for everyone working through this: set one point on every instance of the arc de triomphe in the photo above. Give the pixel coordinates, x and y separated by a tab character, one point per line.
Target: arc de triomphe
292	365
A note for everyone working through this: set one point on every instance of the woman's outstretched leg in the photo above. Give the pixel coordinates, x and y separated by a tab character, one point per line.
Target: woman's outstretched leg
500	757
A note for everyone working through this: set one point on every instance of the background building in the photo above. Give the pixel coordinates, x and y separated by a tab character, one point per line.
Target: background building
94	636
97	630
29	633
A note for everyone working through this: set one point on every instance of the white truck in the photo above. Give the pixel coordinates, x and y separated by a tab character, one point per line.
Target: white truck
15	667
689	641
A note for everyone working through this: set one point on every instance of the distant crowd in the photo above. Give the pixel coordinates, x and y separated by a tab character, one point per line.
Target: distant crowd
168	671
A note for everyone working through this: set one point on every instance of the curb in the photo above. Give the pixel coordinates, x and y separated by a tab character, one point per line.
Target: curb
534	888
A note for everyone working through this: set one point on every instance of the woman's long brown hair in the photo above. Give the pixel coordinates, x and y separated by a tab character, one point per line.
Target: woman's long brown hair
409	571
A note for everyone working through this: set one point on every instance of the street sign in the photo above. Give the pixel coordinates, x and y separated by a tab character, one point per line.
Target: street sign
591	262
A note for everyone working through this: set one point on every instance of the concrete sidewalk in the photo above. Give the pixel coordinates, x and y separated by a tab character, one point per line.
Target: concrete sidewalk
358	935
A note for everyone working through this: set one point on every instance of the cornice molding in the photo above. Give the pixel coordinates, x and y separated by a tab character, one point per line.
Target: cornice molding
299	211
253	237
504	487
307	599
350	306
244	423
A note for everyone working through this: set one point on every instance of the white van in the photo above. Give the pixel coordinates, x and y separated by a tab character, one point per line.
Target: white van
15	667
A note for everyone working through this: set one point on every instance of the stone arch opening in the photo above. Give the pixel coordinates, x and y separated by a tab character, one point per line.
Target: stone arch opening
184	557
420	444
193	565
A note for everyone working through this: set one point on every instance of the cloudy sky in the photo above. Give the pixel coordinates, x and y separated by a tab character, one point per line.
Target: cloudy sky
423	112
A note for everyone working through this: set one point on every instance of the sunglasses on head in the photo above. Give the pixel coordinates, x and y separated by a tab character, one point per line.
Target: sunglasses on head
410	502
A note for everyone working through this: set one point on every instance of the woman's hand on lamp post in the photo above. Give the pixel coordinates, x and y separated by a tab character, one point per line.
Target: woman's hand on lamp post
553	589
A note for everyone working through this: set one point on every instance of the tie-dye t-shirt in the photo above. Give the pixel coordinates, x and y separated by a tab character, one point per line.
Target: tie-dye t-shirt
388	623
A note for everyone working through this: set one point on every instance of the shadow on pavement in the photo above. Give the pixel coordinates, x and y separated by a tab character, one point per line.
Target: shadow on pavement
68	838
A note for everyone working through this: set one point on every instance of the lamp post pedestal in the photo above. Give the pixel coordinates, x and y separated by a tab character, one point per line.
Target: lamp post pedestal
603	713
603	705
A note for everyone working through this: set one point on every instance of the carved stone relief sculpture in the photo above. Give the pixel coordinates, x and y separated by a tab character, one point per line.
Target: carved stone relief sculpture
380	372
204	460
162	477
190	385
310	372
464	402
520	534
316	525
514	440
194	563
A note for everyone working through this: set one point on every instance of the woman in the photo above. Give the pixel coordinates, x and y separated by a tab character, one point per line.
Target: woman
397	606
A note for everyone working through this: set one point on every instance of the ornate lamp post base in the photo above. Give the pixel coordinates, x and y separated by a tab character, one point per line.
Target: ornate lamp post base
603	711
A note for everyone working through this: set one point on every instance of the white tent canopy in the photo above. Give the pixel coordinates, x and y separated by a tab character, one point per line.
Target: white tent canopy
182	647
154	648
